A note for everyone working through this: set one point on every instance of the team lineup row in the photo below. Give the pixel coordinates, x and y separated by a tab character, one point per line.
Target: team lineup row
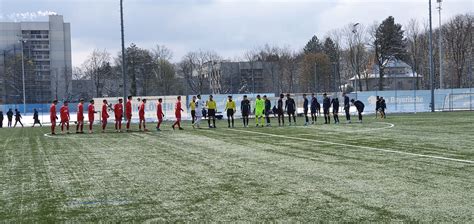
262	110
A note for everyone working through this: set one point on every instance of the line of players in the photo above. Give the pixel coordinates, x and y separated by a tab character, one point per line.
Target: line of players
262	111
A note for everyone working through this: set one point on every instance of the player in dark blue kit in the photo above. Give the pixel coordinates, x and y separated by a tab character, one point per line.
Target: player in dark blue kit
314	107
281	111
347	107
245	110
360	108
305	109
326	106
335	110
290	107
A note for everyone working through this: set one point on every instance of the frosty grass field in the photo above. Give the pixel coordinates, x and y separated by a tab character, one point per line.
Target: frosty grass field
408	167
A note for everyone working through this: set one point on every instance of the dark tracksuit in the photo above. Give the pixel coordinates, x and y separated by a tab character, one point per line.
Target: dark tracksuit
268	110
290	106
335	109
326	106
314	107
18	118
36	119
10	118
383	106
245	109
360	108
281	112
305	109
1	119
347	107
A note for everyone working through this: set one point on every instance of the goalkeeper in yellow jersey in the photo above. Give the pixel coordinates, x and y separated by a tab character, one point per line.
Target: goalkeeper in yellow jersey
230	108
259	110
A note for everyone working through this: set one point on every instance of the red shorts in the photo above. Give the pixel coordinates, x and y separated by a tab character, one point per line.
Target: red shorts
91	118
64	120
53	120
80	118
129	116
118	118
142	118
104	119
160	118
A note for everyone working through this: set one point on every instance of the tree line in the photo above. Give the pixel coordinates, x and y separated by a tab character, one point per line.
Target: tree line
321	65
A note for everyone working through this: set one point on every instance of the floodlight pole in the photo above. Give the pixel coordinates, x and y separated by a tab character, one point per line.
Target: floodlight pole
440	43
431	61
23	74
124	64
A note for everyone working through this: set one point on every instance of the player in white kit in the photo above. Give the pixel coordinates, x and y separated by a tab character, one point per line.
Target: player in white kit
199	107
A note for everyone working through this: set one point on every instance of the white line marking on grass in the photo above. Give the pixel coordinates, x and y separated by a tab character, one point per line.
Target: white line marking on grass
358	146
70	136
389	125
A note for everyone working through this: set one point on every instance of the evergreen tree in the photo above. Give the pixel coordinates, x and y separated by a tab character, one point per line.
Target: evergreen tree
388	43
313	46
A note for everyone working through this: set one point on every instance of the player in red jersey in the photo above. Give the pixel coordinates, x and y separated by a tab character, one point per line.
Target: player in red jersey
64	114
80	117
105	115
91	112
177	113
128	111
52	116
159	113
141	115
118	111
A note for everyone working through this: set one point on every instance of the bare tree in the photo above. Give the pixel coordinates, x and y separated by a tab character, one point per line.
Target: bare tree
96	69
413	39
251	56
458	38
355	36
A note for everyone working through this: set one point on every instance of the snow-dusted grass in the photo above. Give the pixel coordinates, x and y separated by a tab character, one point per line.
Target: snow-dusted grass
243	175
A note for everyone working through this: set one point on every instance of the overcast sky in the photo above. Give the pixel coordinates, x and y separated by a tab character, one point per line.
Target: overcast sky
229	27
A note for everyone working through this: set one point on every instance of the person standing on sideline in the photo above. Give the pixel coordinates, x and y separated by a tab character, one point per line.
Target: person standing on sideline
245	110
211	106
383	106
65	117
128	111
10	117
35	118
230	108
377	106
118	112
18	118
347	107
305	109
192	107
281	111
326	106
290	107
105	115
259	109
52	116
199	109
90	113
335	110
268	110
159	113
177	113
1	119
314	107
360	108
141	116
80	117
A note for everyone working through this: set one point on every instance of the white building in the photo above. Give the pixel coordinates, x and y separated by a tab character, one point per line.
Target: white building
47	58
398	75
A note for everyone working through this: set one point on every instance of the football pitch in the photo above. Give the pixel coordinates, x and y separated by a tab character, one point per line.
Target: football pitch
411	167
